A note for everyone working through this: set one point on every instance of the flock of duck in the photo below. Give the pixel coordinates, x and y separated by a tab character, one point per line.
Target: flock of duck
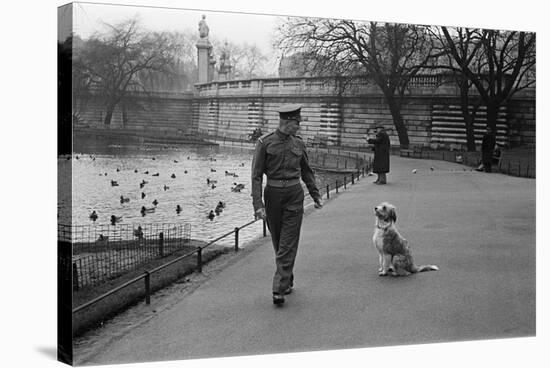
178	209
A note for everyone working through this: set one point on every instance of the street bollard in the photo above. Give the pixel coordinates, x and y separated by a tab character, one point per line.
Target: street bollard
147	287
336	186
344	182
199	260
264	228
352	179
236	239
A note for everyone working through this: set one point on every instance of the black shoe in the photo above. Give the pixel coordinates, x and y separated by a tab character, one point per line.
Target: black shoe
278	299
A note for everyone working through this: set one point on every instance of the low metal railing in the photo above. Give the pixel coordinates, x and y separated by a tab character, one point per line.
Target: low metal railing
198	252
103	252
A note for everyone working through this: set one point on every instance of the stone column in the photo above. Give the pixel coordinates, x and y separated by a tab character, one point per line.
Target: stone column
204	48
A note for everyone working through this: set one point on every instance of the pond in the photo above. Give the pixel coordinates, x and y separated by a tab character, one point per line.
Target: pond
161	177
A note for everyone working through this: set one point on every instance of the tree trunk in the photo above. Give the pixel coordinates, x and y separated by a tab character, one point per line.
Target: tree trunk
492	115
468	119
470	137
398	122
124	116
109	114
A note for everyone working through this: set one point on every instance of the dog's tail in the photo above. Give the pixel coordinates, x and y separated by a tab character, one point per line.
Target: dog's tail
425	268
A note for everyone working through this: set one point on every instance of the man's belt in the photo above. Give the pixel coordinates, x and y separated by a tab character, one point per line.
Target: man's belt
282	183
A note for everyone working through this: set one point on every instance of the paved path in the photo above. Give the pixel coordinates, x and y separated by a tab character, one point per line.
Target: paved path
478	228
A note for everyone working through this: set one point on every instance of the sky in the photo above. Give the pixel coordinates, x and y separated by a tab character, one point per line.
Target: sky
234	27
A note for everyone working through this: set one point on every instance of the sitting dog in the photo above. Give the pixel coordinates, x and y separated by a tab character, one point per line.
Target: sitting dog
395	257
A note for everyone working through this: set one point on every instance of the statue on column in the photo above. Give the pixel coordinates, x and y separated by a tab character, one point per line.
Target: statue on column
203	27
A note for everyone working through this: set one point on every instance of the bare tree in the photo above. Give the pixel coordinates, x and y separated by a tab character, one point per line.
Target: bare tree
466	46
388	54
115	61
247	60
498	64
182	73
253	61
81	83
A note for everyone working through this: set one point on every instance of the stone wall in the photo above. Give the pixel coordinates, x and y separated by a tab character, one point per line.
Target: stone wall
346	118
233	109
522	122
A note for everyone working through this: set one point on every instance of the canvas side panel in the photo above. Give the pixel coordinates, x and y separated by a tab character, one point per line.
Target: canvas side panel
64	174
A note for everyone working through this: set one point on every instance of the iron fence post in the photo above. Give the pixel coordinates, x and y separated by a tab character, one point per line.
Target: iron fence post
147	287
236	239
328	195
199	260
161	244
352	178
75	277
344	182
336	186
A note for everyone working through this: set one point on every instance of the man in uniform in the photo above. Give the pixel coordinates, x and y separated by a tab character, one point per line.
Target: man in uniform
282	156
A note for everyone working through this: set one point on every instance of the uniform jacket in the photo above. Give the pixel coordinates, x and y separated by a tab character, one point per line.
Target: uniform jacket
280	156
381	162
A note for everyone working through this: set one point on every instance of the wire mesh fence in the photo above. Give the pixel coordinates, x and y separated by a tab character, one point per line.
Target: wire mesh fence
103	252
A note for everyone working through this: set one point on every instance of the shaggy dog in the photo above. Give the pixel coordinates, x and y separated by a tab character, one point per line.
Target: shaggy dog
395	257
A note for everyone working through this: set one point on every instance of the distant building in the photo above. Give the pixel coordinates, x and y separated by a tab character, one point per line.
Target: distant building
294	66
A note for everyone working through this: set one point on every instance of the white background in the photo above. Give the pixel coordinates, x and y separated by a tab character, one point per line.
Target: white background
29	187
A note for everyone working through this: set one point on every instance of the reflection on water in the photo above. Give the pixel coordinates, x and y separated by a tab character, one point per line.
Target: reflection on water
104	171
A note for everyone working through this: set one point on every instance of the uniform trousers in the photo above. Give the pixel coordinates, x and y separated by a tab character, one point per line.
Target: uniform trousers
284	209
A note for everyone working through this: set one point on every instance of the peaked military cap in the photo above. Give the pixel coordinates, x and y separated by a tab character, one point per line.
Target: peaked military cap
291	111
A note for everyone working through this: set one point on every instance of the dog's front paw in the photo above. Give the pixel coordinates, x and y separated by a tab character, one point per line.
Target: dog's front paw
383	273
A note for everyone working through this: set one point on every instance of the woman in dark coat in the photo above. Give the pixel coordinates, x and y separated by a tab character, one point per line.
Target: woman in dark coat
381	164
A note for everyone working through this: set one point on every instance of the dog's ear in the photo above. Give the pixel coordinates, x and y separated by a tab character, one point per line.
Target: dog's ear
391	214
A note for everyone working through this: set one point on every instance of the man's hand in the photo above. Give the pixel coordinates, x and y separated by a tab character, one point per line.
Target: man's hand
260	214
318	202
